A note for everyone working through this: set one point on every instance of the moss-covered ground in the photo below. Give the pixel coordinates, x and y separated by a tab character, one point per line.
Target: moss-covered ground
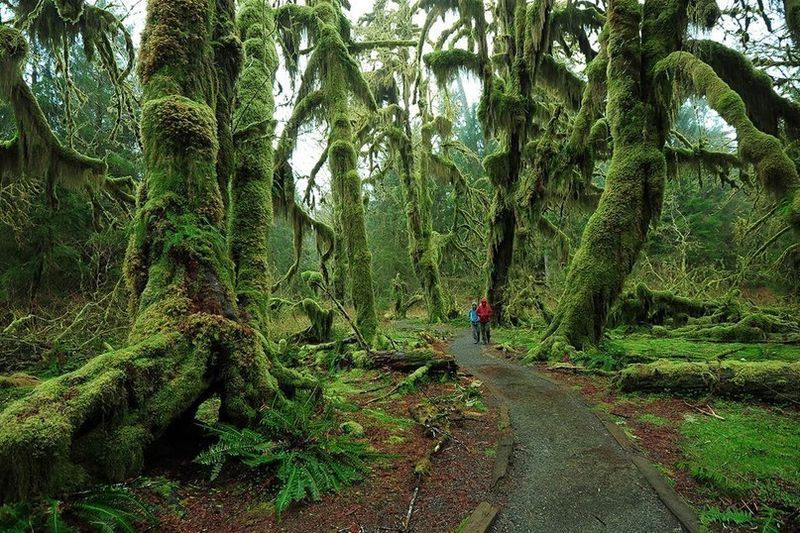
750	459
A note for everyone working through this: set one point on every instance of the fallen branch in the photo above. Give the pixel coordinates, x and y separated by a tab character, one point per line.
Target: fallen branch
710	412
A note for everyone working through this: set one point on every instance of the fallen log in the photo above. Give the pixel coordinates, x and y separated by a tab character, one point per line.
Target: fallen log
410	361
769	380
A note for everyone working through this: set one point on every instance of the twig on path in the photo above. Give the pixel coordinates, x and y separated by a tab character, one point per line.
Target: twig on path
422	469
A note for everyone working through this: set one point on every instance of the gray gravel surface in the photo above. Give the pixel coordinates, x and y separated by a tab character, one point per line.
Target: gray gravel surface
567	472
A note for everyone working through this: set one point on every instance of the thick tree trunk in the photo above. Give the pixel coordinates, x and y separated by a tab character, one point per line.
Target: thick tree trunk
502	232
186	341
773	380
251	209
633	194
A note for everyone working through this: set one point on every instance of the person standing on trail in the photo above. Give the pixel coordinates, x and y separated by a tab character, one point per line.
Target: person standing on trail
475	321
484	316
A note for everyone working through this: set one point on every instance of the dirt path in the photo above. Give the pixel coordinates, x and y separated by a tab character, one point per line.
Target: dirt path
567	471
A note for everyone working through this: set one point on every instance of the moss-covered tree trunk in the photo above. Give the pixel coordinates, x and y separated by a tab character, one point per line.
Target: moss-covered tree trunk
633	194
338	73
187	341
251	209
339	277
347	182
502	222
505	166
423	249
648	75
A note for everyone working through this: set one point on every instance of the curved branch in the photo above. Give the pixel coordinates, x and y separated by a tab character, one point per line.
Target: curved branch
688	74
764	106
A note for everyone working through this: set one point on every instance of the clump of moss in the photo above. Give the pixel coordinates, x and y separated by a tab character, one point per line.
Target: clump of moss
446	65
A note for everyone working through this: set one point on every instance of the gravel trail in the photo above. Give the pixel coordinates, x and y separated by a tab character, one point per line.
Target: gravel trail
567	472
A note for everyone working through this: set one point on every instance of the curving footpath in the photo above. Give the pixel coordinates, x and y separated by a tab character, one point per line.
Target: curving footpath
568	473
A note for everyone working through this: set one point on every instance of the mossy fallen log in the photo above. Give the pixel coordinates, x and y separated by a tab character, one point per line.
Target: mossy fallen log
407	362
643	305
769	380
751	327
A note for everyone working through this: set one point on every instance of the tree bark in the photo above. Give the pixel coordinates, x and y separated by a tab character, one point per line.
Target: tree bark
423	249
187	341
633	194
342	159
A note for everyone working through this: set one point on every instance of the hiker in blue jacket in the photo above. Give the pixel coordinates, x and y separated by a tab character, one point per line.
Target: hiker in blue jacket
475	321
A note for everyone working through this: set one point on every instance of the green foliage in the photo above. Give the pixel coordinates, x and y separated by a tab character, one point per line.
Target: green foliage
653	420
752	453
245	445
642	348
305	447
105	509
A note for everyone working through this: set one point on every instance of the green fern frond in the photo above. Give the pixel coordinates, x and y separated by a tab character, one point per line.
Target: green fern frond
111	509
248	446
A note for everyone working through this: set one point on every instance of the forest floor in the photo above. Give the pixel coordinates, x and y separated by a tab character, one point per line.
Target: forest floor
568	473
736	462
460	476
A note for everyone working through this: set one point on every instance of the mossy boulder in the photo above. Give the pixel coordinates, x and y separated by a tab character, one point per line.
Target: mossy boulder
352	429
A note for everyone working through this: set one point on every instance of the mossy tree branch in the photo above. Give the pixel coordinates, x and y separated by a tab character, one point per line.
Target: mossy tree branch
36	152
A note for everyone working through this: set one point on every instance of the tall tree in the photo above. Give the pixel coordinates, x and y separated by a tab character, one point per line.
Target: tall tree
522	60
331	77
649	75
189	339
395	79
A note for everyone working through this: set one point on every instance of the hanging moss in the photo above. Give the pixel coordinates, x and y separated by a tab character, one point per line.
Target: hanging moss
321	321
578	150
36	152
446	65
415	171
54	24
558	78
704	13
766	108
339	76
775	170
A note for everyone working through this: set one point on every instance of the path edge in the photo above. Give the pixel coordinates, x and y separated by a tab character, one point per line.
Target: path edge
681	510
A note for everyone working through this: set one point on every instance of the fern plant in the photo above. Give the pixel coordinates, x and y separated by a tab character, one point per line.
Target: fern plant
110	509
309	455
106	509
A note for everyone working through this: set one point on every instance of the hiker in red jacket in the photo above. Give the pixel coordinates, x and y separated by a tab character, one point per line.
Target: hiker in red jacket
485	315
